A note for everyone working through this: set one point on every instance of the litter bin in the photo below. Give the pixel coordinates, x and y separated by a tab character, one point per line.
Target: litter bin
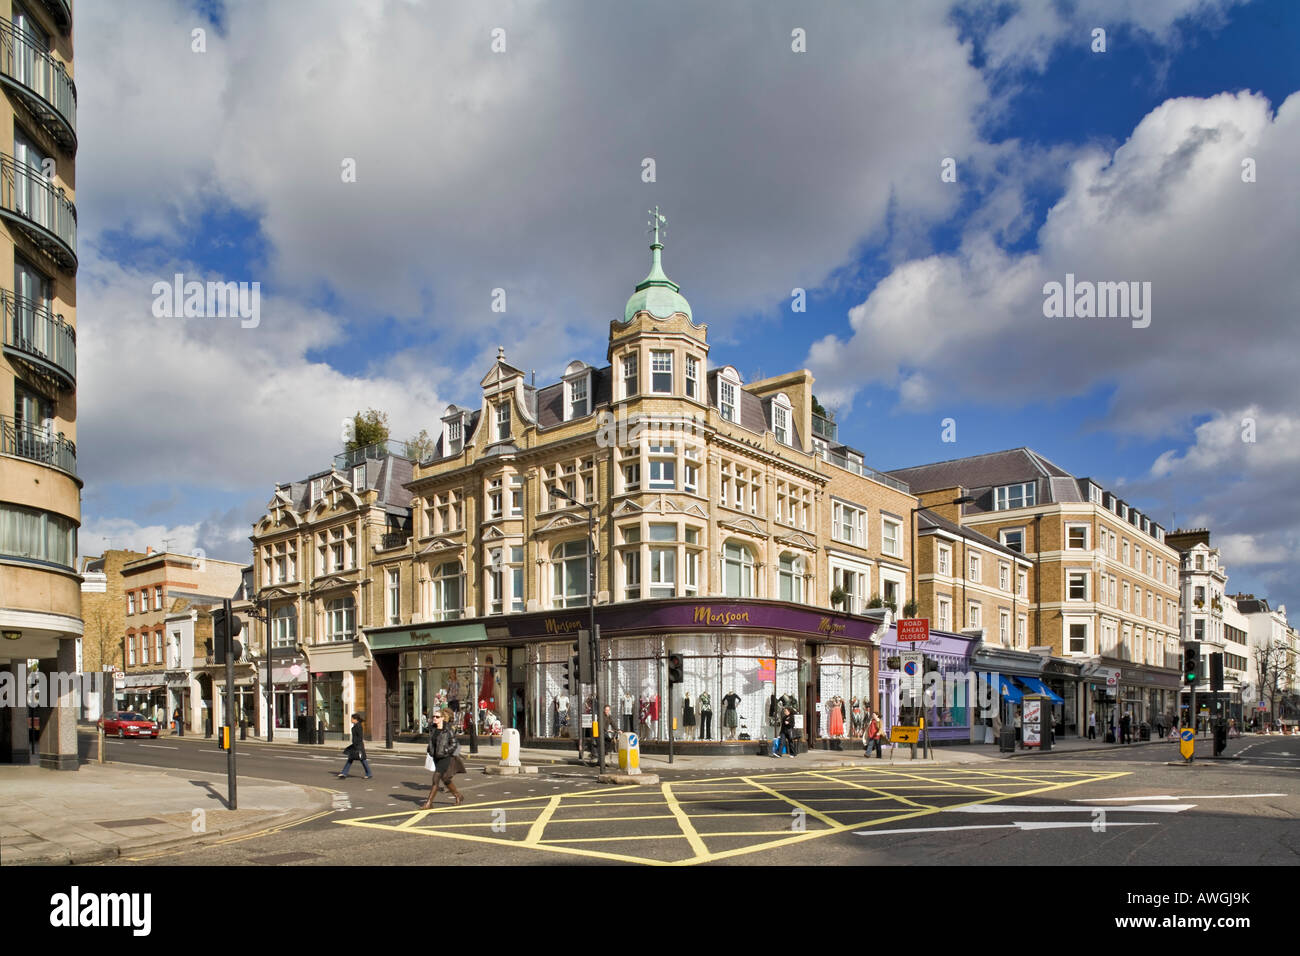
1007	739
1144	731
305	734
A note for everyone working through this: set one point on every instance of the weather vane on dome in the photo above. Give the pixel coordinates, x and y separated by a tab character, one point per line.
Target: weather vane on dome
656	220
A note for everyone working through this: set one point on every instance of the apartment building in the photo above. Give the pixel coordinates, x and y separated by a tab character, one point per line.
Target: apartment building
1103	587
325	555
40	492
730	526
157	676
1209	620
1271	641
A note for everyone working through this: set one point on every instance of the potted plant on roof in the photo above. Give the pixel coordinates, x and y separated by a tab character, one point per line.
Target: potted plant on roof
910	609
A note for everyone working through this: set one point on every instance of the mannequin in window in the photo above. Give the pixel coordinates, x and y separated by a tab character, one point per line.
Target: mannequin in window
706	716
730	719
688	717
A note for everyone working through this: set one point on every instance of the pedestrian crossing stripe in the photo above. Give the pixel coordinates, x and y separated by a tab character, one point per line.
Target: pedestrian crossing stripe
678	815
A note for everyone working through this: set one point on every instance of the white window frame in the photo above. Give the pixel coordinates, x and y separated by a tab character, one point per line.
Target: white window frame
631	375
394	596
727	400
973	566
1004	576
1005	532
974	614
502	421
945	560
1026	496
692	377
661	363
578	392
943	613
1072	526
885	523
1072	574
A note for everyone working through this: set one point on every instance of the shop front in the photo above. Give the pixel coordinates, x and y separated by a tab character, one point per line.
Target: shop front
144	692
336	687
178	699
949	707
1005	672
290	694
1146	695
742	662
1063	679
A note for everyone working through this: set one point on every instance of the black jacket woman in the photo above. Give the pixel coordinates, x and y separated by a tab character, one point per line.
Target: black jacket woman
443	757
356	750
787	732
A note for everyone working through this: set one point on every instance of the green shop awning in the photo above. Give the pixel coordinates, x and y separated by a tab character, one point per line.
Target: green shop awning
408	637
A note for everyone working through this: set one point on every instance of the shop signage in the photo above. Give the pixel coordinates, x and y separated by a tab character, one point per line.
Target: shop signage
119	677
828	626
1030	722
913	629
561	627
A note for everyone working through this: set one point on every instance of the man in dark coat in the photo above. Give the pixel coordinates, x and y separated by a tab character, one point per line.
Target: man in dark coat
356	750
1126	729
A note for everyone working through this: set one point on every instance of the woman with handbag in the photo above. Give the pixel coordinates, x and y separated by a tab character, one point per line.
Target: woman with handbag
443	757
872	738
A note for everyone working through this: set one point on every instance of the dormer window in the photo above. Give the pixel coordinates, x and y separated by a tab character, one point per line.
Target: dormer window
661	372
727	401
578	398
503	421
317	489
781	419
359	478
452	431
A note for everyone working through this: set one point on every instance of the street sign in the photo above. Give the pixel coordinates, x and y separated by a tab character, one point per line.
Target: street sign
1187	742
912	664
913	629
904	735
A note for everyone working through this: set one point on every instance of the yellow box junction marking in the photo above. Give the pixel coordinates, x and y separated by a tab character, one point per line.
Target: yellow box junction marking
890	791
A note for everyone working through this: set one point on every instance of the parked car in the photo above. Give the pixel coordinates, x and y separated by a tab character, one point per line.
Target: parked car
129	724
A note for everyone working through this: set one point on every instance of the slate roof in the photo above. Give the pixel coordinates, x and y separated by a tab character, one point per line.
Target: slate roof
928	520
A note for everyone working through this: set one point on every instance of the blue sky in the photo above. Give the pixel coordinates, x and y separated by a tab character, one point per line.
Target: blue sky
776	169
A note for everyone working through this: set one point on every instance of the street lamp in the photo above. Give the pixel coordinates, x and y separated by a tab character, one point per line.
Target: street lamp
598	713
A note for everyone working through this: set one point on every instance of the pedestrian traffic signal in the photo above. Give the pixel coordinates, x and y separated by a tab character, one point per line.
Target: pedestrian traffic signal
586	651
569	670
1216	672
1191	660
675	675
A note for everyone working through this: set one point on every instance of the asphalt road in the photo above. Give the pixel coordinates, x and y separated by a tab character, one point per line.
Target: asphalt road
1110	808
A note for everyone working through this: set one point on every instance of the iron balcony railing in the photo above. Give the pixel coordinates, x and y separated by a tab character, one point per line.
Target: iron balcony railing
378	450
42	81
40	334
30	201
393	539
36	443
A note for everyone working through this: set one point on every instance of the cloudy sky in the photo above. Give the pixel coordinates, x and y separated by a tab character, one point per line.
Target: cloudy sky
503	145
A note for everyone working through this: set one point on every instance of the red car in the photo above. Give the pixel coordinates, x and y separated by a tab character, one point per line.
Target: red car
128	724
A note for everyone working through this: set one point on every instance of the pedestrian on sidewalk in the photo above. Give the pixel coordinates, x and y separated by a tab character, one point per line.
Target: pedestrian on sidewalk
443	757
356	750
787	732
1092	725
872	739
176	721
1126	729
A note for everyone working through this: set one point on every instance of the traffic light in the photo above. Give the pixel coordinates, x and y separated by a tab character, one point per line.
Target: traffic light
586	669
219	637
1191	663
675	675
1216	672
569	672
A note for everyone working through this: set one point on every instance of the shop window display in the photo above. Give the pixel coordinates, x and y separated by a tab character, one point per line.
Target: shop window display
457	680
951	709
550	704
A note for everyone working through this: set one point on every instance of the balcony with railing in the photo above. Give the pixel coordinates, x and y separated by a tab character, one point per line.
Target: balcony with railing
42	81
40	338
29	201
858	468
35	443
379	450
825	428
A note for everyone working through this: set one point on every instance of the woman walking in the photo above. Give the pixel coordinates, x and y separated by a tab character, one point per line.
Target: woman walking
443	757
356	750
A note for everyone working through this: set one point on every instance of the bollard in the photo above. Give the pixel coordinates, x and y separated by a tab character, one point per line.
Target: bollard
629	753
509	748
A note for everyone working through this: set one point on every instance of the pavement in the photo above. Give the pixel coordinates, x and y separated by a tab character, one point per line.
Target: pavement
102	812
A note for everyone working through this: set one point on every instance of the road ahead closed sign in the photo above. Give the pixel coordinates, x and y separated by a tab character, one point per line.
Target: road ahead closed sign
913	629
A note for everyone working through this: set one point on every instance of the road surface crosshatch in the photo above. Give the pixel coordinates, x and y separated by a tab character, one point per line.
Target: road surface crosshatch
698	821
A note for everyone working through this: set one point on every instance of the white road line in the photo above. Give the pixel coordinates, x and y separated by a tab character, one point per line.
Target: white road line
1203	796
1012	808
1023	825
160	747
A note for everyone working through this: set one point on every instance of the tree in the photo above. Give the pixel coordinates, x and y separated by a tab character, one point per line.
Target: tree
819	410
420	446
368	428
1270	664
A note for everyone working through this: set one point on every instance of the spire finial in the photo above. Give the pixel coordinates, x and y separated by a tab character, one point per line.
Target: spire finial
501	353
656	220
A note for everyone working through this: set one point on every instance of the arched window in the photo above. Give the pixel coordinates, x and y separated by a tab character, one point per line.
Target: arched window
570	574
448	596
341	619
791	572
737	571
284	626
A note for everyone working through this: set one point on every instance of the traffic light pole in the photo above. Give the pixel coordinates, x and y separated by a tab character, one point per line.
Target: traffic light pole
227	618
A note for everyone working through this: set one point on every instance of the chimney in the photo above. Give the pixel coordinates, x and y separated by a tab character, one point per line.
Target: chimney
148	550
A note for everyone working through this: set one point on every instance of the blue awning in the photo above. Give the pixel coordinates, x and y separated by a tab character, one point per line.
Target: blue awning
1006	689
1036	686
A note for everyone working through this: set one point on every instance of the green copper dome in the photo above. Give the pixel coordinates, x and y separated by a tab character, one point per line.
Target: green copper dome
656	293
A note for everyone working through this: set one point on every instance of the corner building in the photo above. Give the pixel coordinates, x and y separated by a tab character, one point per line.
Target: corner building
40	491
724	514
